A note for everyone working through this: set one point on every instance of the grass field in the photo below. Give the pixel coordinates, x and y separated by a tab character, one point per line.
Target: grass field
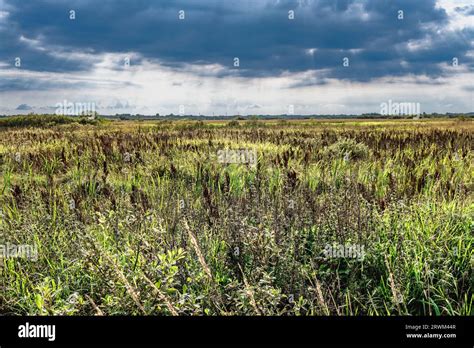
314	218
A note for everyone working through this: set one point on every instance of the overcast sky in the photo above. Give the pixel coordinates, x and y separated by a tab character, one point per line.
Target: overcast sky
290	52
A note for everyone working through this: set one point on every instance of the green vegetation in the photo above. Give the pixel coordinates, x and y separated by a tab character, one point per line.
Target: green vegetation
45	121
141	218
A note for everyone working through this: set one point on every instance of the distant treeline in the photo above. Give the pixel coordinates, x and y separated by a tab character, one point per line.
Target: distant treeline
69	119
279	117
44	120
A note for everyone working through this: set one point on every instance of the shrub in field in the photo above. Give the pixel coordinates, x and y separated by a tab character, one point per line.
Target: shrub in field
233	123
191	125
346	148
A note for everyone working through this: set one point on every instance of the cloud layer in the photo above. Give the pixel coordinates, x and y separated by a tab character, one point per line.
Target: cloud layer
328	43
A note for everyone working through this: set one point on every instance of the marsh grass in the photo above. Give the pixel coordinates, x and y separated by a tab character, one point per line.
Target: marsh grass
139	218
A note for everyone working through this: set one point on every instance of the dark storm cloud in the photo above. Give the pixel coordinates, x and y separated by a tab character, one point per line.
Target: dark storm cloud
258	32
23	107
31	83
469	10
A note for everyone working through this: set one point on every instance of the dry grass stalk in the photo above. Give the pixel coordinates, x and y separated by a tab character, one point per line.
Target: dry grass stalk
96	308
321	300
198	251
249	292
396	296
161	296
